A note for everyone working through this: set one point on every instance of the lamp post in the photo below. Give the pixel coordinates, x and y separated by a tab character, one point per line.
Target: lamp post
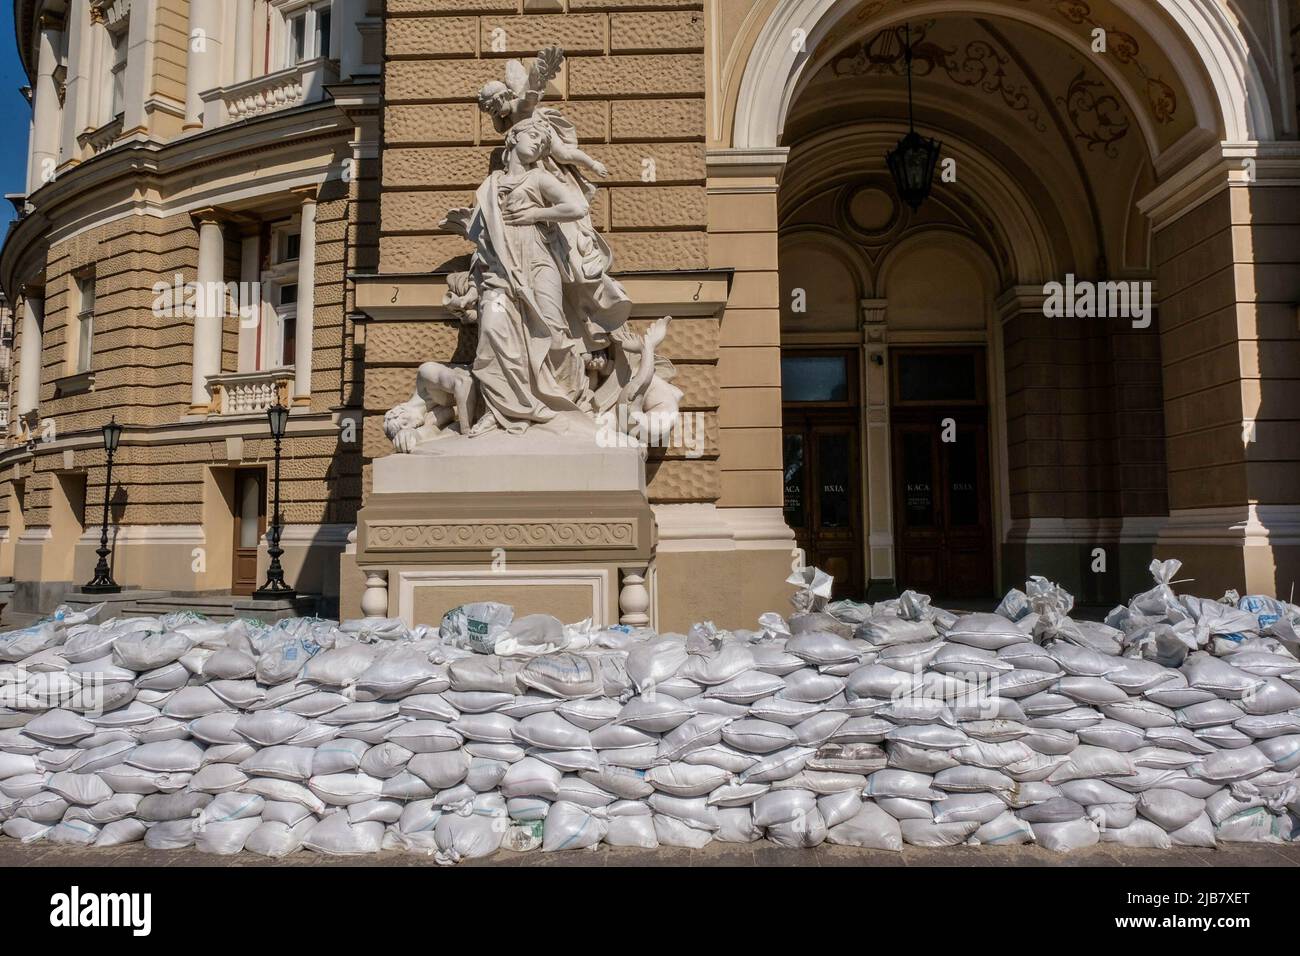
103	582
275	587
912	161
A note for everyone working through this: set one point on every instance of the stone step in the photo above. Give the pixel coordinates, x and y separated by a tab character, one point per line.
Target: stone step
221	607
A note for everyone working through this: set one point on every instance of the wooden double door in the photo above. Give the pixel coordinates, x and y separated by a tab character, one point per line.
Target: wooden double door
823	494
943	540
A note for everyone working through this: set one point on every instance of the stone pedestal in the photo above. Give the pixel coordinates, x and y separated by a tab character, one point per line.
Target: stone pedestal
547	521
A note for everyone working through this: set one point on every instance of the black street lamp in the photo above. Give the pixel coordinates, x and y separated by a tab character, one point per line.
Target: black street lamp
912	161
275	588
103	582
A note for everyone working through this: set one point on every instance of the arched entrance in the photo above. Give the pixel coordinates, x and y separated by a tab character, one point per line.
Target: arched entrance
1067	163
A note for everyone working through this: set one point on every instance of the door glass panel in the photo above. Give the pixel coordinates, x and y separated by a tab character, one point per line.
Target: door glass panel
250	500
835	483
918	479
963	481
937	377
795	511
814	378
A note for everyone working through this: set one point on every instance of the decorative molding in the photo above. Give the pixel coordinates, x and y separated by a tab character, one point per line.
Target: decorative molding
1234	526
595	579
528	535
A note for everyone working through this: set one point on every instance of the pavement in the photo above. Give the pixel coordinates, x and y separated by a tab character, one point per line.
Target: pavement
760	854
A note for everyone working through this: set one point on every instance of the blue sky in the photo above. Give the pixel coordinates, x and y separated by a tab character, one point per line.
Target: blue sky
15	115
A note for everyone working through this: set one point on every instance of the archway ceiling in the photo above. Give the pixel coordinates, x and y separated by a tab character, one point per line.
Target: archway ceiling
1022	97
1136	61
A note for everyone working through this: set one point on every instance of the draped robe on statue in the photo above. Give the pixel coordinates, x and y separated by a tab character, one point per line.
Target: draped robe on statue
545	300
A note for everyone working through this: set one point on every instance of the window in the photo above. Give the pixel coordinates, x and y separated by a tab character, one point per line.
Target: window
85	323
117	39
308	32
815	378
288	315
280	282
938	376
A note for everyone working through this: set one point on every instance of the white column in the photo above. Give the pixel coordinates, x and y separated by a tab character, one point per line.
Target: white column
98	93
139	65
243	40
346	15
45	107
209	312
878	475
306	302
29	341
203	67
250	314
75	97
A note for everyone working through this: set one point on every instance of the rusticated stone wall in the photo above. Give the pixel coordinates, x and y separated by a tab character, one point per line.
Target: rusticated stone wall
633	83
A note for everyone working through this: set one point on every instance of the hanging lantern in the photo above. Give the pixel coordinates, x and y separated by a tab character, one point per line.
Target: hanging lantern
913	160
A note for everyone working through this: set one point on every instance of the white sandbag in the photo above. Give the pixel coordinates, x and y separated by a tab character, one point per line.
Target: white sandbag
904	756
1227	766
385	760
470	836
440	770
276	839
171	835
902	783
735	825
811	686
489	728
1067	836
836	808
225	838
571	827
59	727
746	688
782	806
870	827
283	762
632	829
574	789
717	666
1006	829
531	777
1257	825
673	831
80	789
803	832
1200	832
566	675
624	783
550	731
193	703
168	756
821	648
1169	809
687	780
1283	751
1140	833
1207	672
142	651
758	736
337	836
962	807
927	833
986	631
120	833
1090	762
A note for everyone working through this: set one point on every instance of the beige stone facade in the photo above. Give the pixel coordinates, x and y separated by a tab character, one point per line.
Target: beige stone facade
748	196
